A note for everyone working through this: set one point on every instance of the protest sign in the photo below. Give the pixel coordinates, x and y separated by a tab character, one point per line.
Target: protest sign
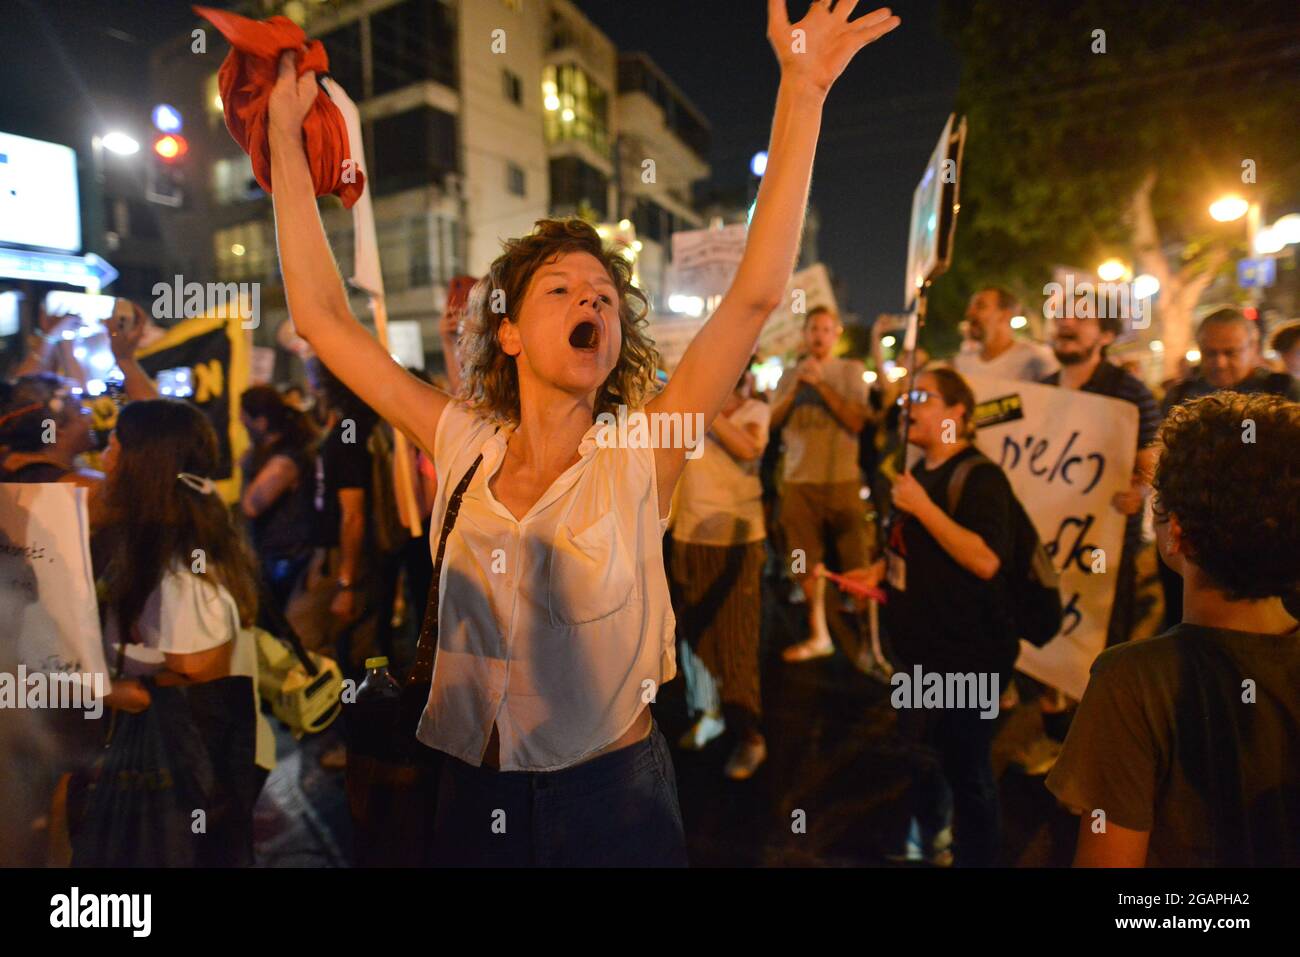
705	260
47	589
807	290
208	358
1066	454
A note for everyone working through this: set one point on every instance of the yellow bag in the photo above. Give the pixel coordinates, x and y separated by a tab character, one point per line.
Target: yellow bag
302	688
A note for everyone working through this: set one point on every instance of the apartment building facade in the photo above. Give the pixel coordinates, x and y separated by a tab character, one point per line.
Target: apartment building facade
479	118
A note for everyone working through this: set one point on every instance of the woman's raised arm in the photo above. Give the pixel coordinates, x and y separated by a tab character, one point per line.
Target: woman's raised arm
812	53
317	299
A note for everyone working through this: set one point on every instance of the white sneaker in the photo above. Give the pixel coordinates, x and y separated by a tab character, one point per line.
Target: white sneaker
745	759
701	733
937	852
819	646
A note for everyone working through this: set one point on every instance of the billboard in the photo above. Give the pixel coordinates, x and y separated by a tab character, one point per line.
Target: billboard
38	194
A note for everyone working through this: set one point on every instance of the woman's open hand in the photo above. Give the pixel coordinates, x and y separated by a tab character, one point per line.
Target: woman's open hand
820	46
291	97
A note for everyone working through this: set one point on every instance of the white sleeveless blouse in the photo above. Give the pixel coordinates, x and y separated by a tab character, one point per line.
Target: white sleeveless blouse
558	627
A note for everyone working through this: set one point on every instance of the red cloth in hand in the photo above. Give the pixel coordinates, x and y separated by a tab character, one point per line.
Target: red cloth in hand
246	78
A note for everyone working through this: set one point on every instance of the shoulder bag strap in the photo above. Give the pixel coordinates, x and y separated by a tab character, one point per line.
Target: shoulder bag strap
422	668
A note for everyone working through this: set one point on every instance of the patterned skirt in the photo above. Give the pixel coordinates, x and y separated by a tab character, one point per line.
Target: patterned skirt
717	597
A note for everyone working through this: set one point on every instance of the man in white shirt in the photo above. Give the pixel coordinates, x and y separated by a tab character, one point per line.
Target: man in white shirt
1000	353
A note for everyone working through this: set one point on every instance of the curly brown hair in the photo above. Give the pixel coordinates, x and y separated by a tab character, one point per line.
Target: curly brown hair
1237	501
491	378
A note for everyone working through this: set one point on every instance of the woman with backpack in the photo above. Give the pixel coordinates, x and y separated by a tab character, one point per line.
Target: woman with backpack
943	578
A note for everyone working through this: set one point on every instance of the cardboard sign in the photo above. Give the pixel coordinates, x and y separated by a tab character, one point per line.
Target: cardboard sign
807	290
47	589
1066	454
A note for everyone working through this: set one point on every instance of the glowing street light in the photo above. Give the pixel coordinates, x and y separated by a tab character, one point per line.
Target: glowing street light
1227	209
1288	228
1019	322
1112	270
119	143
758	164
1145	286
1268	240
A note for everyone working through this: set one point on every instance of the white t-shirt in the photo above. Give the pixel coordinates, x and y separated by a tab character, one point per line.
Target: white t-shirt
720	499
554	626
186	614
1026	361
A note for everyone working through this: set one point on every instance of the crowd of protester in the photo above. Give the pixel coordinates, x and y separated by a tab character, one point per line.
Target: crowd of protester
560	602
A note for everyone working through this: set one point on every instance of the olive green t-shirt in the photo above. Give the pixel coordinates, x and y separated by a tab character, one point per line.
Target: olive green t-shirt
1193	735
819	448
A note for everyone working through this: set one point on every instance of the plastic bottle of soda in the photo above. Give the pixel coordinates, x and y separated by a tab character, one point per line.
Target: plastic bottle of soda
372	717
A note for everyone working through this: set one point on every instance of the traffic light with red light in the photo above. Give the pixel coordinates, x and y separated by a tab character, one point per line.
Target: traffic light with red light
170	147
166	176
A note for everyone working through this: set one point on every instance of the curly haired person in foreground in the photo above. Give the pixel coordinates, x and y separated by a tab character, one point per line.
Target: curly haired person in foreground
1183	753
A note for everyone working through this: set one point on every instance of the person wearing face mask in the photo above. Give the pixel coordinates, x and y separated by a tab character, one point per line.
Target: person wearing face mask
550	606
998	352
821	409
1230	360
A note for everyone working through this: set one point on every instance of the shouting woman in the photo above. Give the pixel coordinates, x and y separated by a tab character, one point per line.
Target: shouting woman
555	628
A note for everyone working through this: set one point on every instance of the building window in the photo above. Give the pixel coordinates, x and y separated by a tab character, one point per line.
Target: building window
576	107
637	75
343	46
515	181
246	253
576	186
513	87
412	149
412	42
233	180
652	221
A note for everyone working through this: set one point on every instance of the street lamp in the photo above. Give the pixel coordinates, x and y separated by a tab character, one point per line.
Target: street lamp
1111	270
119	143
1227	209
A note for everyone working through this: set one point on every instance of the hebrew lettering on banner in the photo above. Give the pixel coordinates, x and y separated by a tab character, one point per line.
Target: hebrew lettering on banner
1067	453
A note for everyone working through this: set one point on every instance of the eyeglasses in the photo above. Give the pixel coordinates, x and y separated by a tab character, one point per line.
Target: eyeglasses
918	397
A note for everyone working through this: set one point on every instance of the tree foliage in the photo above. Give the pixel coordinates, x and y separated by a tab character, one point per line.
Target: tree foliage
1061	137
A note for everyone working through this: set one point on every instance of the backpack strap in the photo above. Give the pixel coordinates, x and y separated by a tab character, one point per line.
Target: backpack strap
422	668
957	481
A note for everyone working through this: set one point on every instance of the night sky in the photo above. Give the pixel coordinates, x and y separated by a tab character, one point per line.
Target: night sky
881	121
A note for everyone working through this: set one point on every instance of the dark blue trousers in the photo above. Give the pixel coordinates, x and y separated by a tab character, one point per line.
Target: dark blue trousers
618	810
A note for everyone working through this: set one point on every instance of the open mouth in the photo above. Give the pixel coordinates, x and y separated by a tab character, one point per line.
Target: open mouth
585	336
